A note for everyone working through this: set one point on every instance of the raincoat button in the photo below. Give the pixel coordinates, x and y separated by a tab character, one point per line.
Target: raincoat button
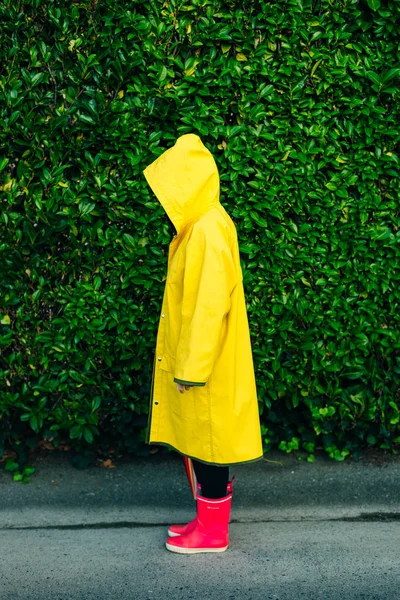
155	402
163	315
159	358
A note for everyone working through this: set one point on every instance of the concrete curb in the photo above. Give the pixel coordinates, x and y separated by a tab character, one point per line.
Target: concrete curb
154	491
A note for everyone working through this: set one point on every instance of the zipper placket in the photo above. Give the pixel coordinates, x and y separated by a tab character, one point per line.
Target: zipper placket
150	402
160	324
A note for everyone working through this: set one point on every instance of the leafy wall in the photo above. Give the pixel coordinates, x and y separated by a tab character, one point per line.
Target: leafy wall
299	103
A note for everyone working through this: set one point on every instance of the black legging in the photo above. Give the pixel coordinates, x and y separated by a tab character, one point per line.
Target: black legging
212	478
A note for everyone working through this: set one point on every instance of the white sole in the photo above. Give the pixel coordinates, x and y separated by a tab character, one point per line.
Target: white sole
179	550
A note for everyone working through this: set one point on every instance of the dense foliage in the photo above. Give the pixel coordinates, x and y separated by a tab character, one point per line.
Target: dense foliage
299	103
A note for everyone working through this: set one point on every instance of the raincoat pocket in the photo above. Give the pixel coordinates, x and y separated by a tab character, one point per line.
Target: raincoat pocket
183	406
167	363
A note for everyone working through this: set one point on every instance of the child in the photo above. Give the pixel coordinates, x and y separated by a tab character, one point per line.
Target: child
203	398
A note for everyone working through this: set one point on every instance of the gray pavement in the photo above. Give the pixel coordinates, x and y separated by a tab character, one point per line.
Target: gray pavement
324	531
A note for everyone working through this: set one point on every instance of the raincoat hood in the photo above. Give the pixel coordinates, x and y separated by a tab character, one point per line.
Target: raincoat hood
185	180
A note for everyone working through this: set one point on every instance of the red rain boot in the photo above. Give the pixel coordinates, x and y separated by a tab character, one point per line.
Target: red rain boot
175	530
210	533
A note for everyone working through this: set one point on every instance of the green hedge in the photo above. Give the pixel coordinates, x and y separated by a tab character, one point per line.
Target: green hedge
299	103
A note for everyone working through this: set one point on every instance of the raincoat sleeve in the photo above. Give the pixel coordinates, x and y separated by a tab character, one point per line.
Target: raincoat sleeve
209	279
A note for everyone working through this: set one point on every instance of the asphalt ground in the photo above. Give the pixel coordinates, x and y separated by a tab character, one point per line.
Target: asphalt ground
324	531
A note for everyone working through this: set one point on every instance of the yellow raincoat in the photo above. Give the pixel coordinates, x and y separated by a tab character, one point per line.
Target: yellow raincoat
203	336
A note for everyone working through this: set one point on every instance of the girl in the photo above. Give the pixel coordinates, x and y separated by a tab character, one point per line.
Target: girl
203	397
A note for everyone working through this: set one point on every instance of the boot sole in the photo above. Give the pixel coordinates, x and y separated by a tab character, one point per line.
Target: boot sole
179	550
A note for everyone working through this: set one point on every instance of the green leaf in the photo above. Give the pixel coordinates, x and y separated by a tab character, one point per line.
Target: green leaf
373	76
96	402
11	465
37	78
75	432
86	207
390	74
28	470
87	119
129	240
163	74
88	435
3	163
374	4
33	422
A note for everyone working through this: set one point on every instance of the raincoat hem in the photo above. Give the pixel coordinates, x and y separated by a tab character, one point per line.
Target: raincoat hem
207	462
